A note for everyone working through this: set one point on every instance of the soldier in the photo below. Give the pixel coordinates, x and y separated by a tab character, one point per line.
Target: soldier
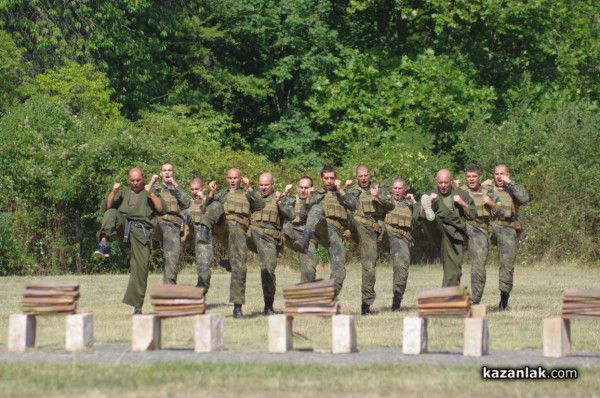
398	226
446	209
170	225
293	230
203	251
132	213
373	203
266	237
506	227
233	207
478	227
327	217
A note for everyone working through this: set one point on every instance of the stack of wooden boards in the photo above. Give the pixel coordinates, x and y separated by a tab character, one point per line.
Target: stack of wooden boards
50	298
581	304
311	298
177	300
452	301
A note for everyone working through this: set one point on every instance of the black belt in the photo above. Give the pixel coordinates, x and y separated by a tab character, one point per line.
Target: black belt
135	224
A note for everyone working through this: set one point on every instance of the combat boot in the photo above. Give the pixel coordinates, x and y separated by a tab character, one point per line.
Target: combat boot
396	300
137	311
224	262
204	234
365	309
503	301
301	245
237	311
269	306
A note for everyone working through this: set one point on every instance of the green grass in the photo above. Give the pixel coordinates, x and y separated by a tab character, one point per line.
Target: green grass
537	295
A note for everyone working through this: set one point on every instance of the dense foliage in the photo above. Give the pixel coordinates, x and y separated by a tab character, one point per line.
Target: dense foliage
89	89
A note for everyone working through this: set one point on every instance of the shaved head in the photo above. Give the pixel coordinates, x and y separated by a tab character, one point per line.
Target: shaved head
443	179
265	183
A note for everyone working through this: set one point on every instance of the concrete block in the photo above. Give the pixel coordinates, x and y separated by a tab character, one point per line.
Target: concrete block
557	337
414	335
476	337
79	332
21	332
343	334
208	332
280	333
478	311
146	333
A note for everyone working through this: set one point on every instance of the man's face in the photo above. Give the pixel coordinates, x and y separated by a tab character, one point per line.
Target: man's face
473	179
444	183
196	190
136	181
363	177
234	178
329	181
499	173
166	172
398	190
265	184
303	186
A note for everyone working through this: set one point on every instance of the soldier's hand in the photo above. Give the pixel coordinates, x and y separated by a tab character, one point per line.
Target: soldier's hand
456	183
246	181
309	193
287	189
116	186
411	198
487	182
487	200
154	178
374	191
457	199
277	197
348	183
433	196
506	180
338	184
212	186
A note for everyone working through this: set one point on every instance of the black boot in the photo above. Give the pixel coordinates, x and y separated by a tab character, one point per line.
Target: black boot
269	306
396	300
503	301
237	311
224	262
204	234
301	245
365	309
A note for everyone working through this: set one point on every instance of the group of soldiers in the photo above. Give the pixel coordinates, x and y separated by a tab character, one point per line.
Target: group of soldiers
241	218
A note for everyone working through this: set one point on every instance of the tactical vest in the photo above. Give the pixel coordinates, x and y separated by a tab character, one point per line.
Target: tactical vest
401	217
237	203
269	214
332	207
195	211
171	201
297	209
510	207
482	210
368	206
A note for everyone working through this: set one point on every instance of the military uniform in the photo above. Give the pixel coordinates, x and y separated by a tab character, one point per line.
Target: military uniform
170	228
448	231
292	230
266	239
479	232
234	209
133	217
368	223
398	229
203	251
327	217
505	227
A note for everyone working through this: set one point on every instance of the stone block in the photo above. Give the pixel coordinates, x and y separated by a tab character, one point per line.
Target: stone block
557	337
280	333
208	332
478	310
476	337
414	335
21	332
343	334
146	333
79	332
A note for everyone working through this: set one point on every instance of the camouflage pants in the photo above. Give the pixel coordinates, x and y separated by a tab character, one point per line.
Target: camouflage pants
238	254
308	261
171	245
367	244
400	254
204	259
479	244
451	251
113	225
507	250
266	248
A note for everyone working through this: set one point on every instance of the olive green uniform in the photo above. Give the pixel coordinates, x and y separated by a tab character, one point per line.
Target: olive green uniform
233	210
170	228
203	251
292	231
368	223
132	217
448	231
327	217
266	240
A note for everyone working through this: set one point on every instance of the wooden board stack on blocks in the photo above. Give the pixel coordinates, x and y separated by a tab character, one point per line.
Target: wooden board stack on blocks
50	298
177	300
454	302
311	298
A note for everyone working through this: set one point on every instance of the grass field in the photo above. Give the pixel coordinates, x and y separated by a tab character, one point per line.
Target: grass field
536	295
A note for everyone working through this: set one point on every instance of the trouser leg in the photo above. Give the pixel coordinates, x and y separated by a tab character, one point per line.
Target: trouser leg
139	265
171	245
238	254
452	254
204	259
507	249
478	252
266	248
367	242
400	254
